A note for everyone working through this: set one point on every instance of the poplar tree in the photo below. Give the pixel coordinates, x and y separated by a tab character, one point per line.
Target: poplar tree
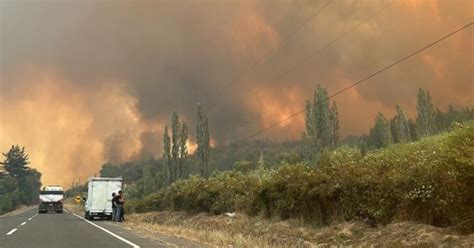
309	138
203	140
334	126
310	128
322	124
167	154
322	114
175	132
183	148
399	126
380	134
425	114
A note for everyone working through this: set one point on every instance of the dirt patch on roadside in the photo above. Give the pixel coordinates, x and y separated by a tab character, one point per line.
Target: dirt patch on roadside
242	231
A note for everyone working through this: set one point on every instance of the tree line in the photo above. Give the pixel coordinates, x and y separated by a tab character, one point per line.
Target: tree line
429	120
19	184
320	136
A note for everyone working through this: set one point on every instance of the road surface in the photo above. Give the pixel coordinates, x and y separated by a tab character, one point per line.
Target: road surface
28	229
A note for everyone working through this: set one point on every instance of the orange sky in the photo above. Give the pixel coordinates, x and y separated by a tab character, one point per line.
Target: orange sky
80	88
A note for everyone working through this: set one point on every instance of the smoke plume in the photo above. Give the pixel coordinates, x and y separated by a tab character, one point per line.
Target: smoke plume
86	82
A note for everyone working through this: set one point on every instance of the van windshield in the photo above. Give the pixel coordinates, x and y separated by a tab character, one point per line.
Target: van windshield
51	192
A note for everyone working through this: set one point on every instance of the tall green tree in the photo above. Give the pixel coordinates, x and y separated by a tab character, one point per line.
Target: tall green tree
399	126
425	114
322	125
183	148
167	154
322	117
310	122
334	120
15	164
380	135
203	140
175	133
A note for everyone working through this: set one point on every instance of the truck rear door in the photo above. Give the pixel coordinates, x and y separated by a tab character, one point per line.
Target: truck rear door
99	197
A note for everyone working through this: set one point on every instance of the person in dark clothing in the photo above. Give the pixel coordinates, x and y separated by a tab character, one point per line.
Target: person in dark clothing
122	214
119	204
114	208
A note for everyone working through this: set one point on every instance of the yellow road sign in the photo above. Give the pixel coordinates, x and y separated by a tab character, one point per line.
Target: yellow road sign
78	199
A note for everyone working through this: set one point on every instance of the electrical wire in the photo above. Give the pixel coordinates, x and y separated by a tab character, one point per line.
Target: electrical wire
362	80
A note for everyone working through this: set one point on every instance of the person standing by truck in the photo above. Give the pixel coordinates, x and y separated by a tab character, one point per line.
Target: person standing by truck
119	201
114	208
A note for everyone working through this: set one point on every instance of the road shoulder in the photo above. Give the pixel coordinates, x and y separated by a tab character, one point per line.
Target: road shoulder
19	210
138	235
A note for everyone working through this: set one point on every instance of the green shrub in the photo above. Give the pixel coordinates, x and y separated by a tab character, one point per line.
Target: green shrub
223	192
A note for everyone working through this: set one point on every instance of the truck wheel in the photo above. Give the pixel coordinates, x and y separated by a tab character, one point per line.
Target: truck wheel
86	215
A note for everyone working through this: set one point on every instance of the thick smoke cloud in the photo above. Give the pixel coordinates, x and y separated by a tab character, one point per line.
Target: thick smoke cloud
85	82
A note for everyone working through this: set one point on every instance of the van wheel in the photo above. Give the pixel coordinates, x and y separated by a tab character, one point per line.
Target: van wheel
86	215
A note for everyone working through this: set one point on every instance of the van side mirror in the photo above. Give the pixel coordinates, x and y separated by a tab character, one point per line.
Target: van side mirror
84	199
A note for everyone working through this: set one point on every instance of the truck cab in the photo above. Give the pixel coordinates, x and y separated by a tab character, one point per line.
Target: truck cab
51	199
99	197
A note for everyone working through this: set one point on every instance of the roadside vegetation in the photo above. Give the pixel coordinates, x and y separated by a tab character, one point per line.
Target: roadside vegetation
19	184
429	181
414	170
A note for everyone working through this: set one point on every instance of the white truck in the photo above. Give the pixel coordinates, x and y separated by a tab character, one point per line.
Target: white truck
51	199
99	197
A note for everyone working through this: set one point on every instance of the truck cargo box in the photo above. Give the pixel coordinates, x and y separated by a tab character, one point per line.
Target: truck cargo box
99	197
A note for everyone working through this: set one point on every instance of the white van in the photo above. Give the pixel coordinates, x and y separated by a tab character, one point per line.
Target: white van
99	197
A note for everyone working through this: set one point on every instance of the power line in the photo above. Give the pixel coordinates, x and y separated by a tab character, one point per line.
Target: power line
317	51
342	35
363	80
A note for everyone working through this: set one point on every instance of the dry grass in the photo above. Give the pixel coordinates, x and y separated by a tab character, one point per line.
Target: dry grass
71	206
242	231
18	210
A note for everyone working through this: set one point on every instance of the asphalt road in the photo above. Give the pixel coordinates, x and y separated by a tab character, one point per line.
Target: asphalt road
30	229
